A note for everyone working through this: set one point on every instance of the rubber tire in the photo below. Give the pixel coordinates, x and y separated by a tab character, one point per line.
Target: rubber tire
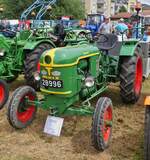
13	106
97	123
127	77
6	96
9	102
147	134
31	62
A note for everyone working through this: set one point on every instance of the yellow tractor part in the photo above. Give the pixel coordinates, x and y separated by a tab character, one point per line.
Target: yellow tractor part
147	101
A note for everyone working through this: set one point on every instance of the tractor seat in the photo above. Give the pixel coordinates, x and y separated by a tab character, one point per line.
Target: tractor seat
109	44
8	33
107	41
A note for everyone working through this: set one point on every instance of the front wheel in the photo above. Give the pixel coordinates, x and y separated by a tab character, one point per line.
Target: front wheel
20	114
4	93
147	134
102	124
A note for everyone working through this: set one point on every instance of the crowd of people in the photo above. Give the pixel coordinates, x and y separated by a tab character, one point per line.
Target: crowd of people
131	30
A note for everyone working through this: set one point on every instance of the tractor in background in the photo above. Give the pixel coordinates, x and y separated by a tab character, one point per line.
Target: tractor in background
69	82
21	54
93	22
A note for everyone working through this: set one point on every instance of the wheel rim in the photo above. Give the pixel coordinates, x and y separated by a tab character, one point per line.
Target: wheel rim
107	124
2	93
25	113
138	76
38	67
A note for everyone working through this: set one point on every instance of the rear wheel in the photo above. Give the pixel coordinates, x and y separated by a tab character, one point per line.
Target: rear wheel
147	134
131	78
102	124
19	113
32	64
4	93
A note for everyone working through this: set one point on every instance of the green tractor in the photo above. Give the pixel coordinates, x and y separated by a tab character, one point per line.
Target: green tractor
21	53
70	77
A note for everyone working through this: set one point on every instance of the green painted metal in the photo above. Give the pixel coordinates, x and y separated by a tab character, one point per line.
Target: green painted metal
75	36
128	47
15	50
73	65
34	44
69	55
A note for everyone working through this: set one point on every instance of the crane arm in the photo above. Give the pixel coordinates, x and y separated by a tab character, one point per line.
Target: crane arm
44	4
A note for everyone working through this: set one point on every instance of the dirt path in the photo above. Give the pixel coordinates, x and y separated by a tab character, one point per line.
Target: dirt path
74	143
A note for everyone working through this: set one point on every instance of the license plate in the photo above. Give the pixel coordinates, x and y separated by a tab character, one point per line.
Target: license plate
52	83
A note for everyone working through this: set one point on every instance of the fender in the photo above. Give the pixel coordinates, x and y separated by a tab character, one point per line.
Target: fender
128	48
147	101
31	45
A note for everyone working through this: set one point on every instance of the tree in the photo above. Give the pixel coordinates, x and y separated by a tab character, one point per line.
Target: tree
73	8
13	9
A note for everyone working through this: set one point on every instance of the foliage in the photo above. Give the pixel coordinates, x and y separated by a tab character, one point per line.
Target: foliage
13	9
73	8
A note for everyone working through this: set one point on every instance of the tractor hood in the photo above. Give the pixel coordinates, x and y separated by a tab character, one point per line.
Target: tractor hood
67	56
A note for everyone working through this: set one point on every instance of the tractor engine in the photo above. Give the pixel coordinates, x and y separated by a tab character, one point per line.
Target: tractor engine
69	71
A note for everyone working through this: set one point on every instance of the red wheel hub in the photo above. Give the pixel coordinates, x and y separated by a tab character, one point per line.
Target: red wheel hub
2	93
138	76
25	113
107	124
38	67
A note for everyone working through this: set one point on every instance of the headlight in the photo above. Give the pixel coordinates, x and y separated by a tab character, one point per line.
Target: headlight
44	72
2	52
89	82
37	76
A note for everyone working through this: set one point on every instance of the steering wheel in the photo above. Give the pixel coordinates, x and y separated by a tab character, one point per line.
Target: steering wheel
123	32
84	35
10	31
102	38
70	35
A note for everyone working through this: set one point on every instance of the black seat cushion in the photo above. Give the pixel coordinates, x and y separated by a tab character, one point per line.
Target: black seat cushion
110	46
106	41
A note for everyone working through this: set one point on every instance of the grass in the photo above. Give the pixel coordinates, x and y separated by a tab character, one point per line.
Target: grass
74	143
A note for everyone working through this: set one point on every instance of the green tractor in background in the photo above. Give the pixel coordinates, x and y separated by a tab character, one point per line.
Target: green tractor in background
70	77
21	54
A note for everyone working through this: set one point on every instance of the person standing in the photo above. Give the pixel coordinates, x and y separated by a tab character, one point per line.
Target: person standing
106	27
121	27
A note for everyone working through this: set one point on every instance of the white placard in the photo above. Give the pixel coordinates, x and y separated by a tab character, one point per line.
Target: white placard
53	126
